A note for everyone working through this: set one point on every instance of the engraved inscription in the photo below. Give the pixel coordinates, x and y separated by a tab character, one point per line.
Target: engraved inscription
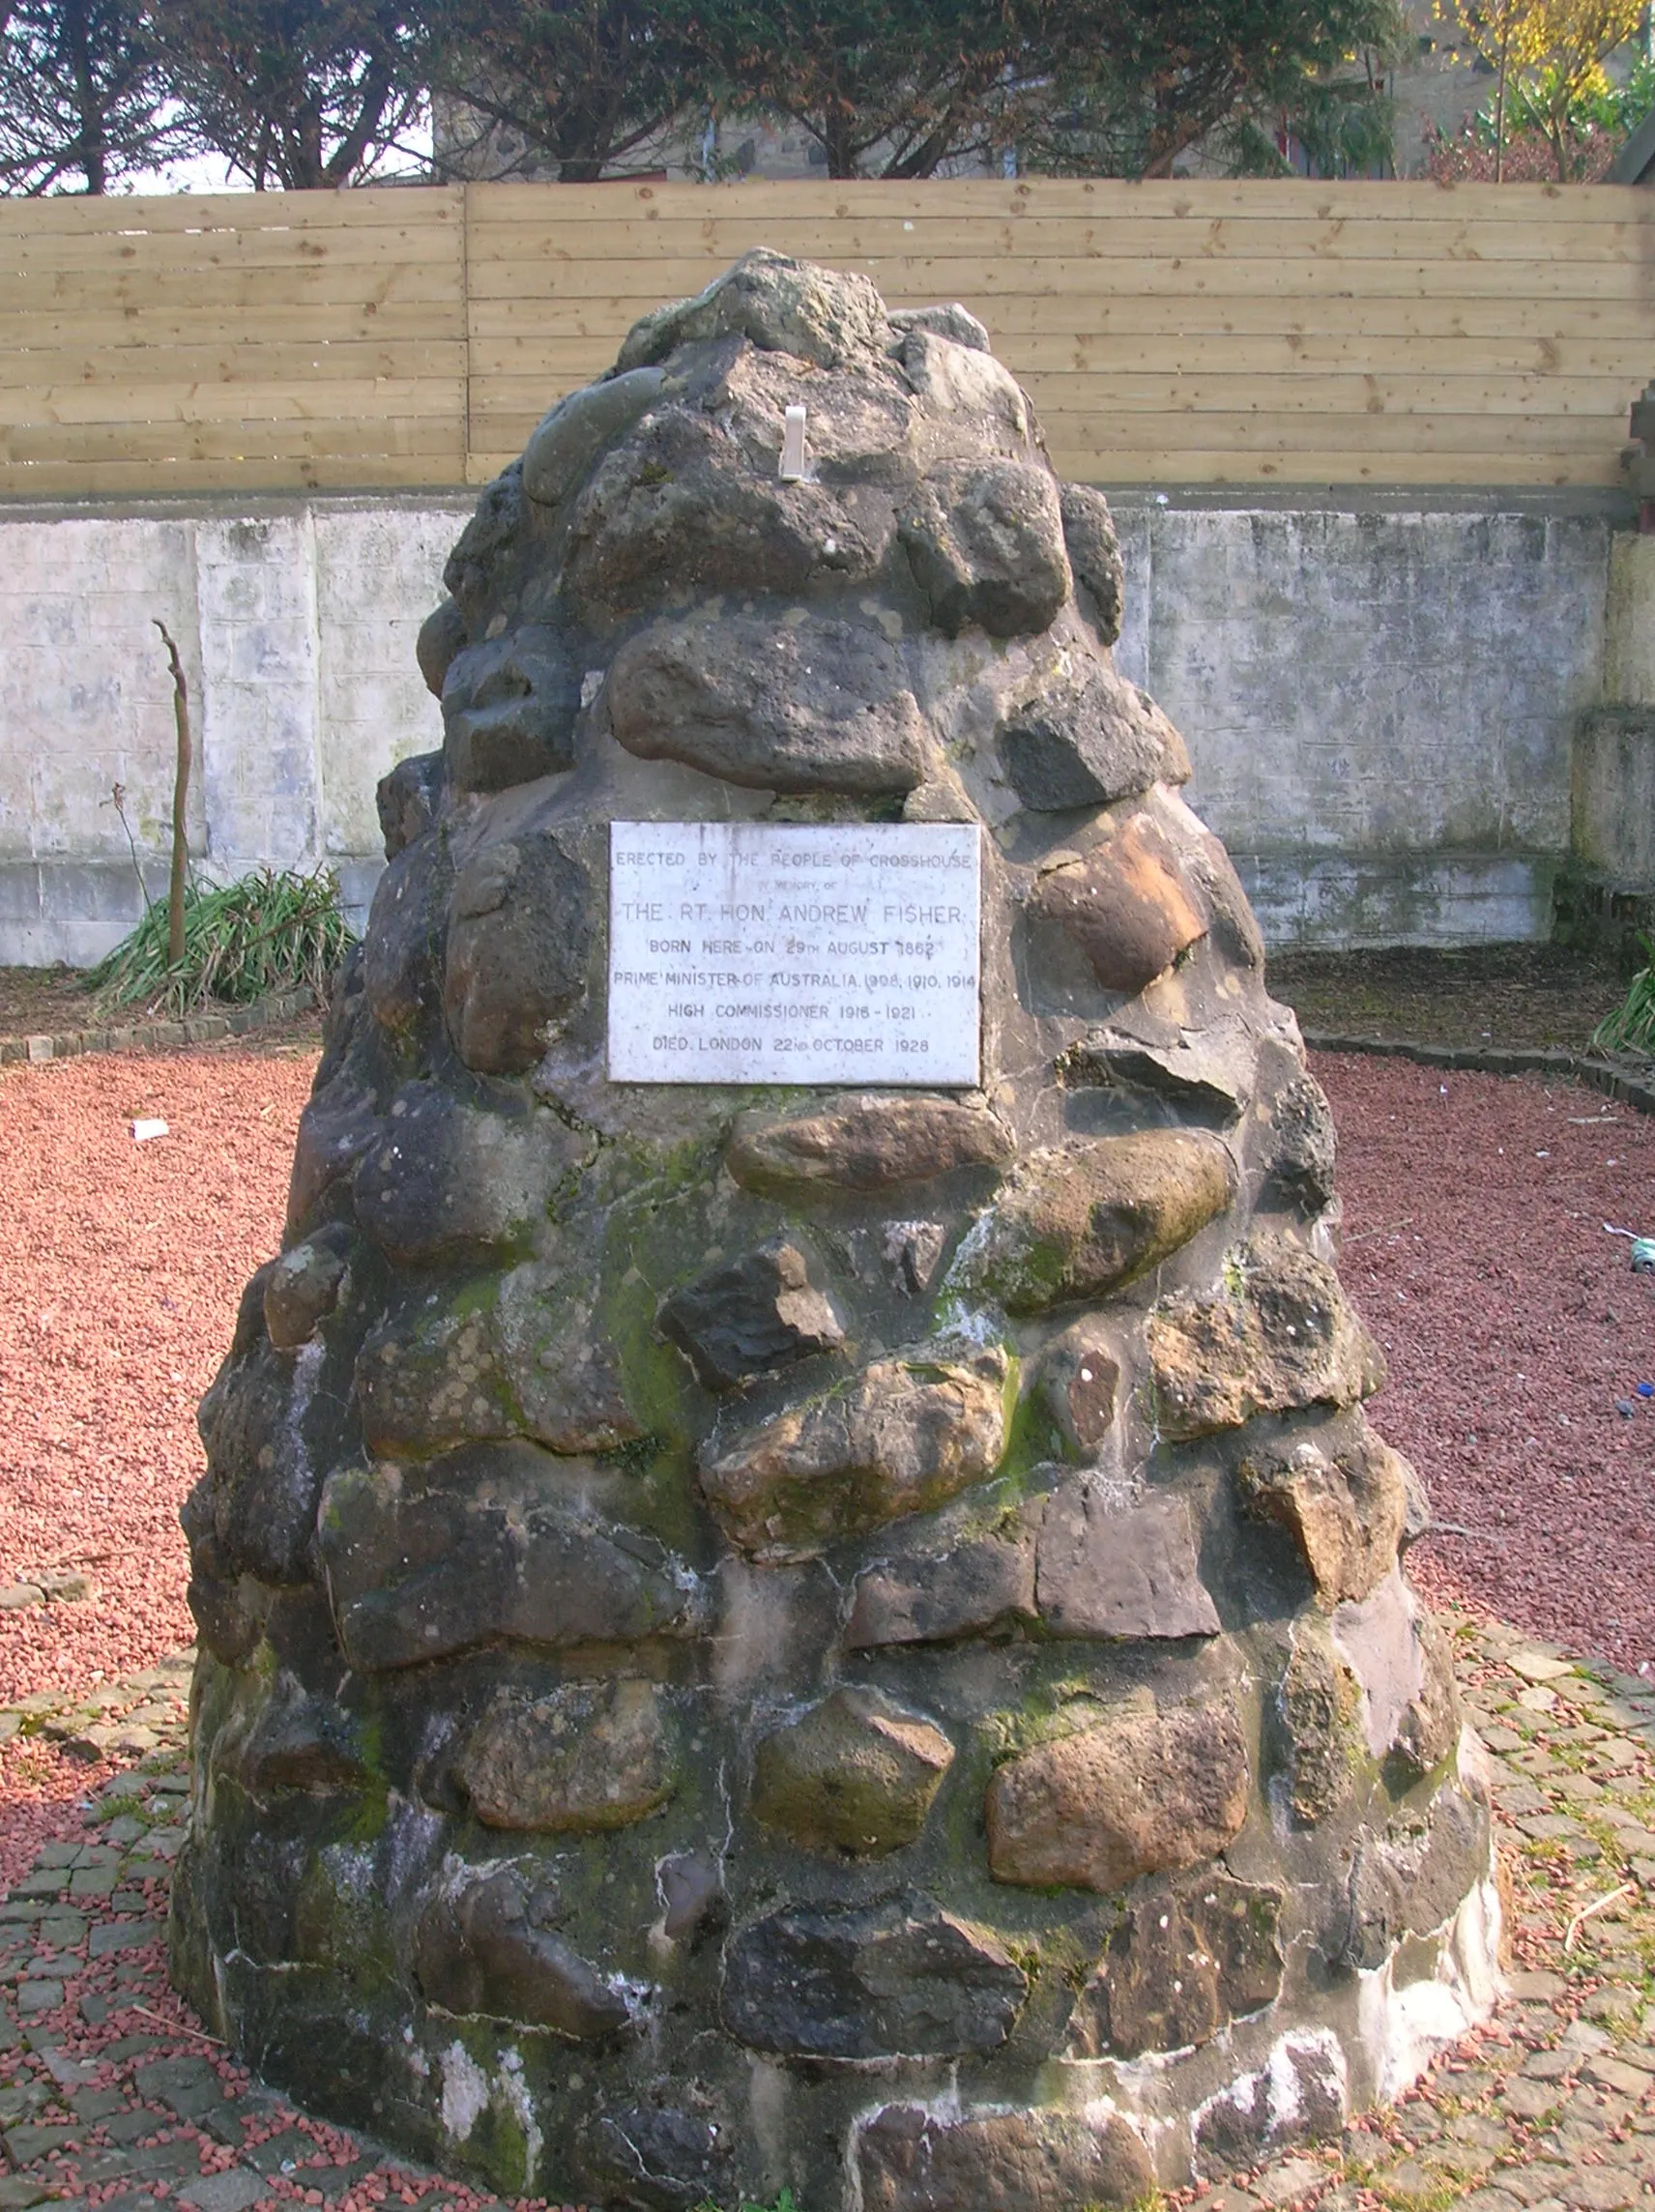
744	952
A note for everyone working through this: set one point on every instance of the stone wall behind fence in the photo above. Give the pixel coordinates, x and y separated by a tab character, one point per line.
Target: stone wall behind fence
1382	695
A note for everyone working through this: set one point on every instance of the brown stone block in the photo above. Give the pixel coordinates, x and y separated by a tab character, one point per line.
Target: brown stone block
1140	1794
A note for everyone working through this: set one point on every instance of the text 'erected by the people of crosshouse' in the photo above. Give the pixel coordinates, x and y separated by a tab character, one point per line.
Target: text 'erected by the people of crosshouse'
746	952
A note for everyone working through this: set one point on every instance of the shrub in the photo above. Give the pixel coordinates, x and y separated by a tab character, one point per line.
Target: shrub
273	931
1631	1027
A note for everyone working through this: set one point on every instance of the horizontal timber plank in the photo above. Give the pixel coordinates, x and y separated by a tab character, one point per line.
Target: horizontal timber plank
1283	354
104	479
46	366
1011	317
1282	433
231	441
1325	472
134	327
296	287
1396	392
1176	200
1059	279
362	208
93	260
326	399
715	243
1292	354
1318	471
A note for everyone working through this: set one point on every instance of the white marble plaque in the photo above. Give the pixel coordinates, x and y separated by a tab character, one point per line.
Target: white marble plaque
744	952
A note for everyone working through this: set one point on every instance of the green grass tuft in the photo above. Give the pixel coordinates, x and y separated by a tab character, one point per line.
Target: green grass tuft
1631	1027
268	933
783	2203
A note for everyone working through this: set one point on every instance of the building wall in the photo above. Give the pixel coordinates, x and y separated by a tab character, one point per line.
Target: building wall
1379	698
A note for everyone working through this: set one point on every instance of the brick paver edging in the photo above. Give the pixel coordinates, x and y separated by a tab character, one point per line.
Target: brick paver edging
111	2096
154	1037
1604	1075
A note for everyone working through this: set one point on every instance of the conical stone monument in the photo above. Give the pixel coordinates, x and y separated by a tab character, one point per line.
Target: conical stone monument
794	1588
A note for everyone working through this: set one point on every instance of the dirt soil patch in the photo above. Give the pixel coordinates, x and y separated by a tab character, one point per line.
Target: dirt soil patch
46	1002
1512	995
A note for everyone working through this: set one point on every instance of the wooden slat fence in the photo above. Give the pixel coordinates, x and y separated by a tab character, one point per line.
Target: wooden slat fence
1214	333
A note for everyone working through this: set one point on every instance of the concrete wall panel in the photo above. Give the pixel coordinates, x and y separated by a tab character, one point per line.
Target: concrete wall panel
1380	701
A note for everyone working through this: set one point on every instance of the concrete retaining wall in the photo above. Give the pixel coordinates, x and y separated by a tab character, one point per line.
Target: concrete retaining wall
1379	698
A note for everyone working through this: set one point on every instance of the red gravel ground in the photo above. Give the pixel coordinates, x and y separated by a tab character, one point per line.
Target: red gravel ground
42	1795
1474	1245
124	1262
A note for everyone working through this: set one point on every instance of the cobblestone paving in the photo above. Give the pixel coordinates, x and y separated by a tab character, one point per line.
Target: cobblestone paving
110	2094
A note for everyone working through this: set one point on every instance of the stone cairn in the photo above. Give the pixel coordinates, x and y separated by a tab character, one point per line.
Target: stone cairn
844	1639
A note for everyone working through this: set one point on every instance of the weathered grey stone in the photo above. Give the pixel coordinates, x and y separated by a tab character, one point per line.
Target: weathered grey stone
779	305
515	1360
259	1503
587	1757
1094	555
1319	1711
657	2157
869	1982
854	1773
402	955
1410	1708
1080	1381
896	1438
446	1183
229	1622
1299	1152
563	1372
1138	1793
1298	2096
1089	742
758	1312
676	505
300	1742
1124	903
1185	1960
1101	1570
979	1584
481	1548
1208	1072
407	800
818	705
860	425
1091	1215
691	1886
908	2160
433	1378
1277	1336
565	443
911	1251
509	709
964	379
442	635
986	547
1344	1506
1411	1879
869	1141
483	1945
948	319
304	1286
481	560
518	940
